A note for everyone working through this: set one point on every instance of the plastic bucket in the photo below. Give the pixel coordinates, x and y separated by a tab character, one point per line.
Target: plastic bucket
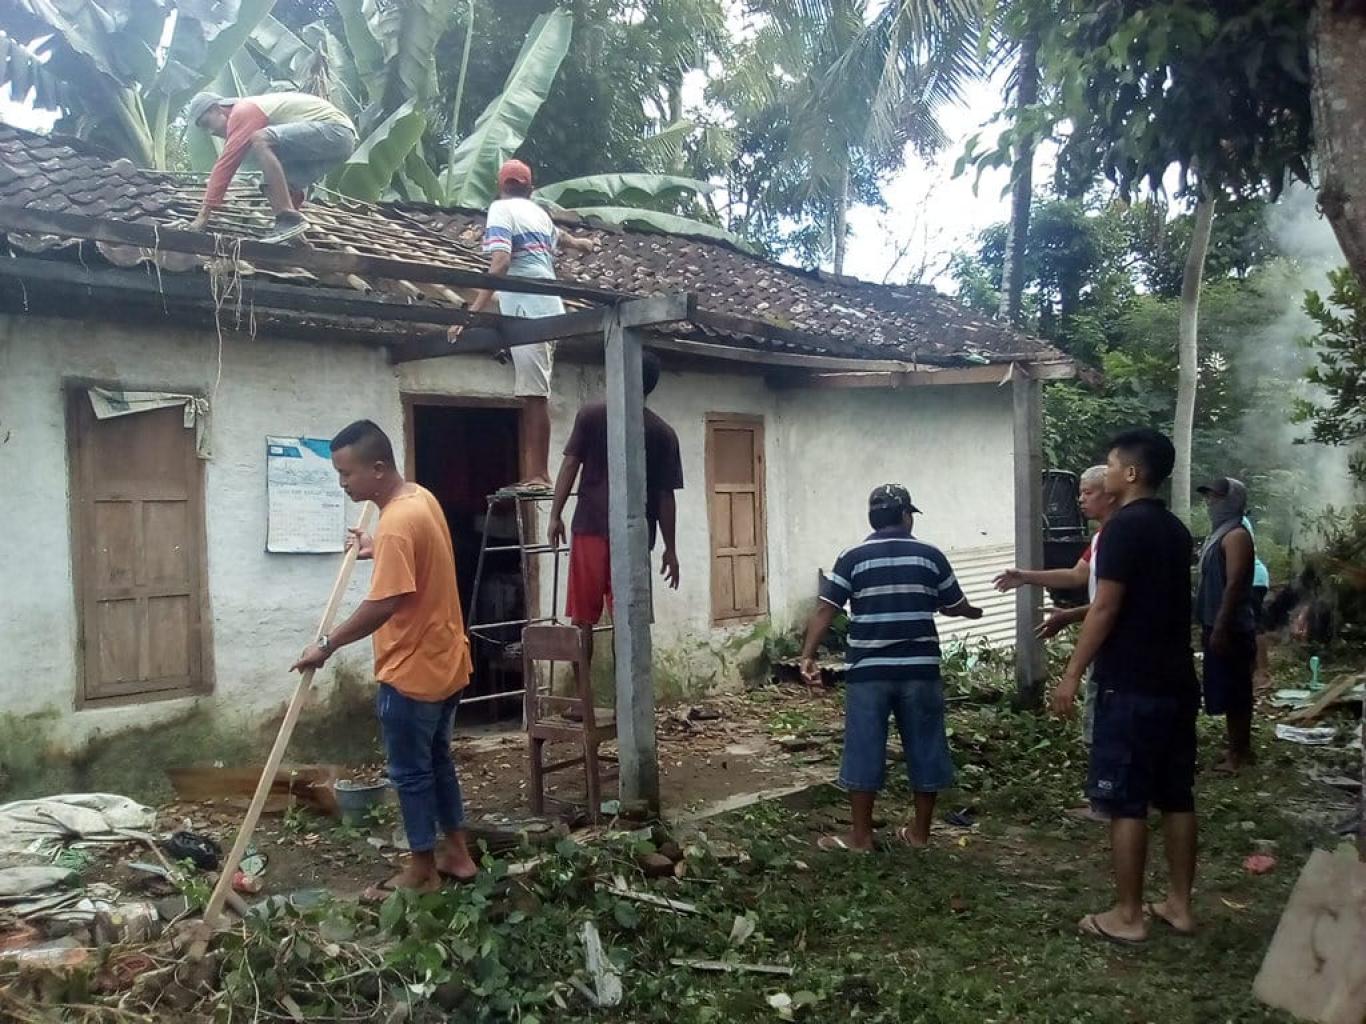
356	799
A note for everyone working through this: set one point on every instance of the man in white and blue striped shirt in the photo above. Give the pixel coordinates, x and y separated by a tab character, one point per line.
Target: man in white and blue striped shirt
893	585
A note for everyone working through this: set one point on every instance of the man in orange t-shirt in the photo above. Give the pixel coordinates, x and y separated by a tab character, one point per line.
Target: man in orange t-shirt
422	656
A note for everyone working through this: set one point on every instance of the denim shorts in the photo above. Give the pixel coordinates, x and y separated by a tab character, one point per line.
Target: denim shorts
307	150
1143	753
918	707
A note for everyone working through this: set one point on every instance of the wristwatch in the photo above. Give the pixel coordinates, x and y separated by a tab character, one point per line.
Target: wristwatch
325	644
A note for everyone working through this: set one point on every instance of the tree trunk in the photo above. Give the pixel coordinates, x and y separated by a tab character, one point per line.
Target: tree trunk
1337	43
1021	185
840	228
1188	355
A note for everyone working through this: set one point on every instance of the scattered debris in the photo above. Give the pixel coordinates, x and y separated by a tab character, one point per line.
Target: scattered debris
704	714
28	879
1259	863
1308	736
1348	688
730	967
55	955
202	851
127	922
620	888
36	829
655	865
606	976
741	929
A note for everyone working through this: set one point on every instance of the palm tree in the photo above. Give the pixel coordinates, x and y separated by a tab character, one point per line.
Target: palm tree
857	81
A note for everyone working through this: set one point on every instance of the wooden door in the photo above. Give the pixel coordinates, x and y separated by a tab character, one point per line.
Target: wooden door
735	503
138	542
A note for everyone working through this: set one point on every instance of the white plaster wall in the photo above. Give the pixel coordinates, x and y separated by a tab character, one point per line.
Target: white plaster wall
263	606
824	451
950	446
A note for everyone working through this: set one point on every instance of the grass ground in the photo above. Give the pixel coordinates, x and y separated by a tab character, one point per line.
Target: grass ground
979	928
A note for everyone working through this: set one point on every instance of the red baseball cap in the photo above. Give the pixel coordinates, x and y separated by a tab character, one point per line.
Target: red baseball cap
514	171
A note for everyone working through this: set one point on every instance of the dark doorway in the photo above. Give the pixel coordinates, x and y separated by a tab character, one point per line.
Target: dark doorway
462	454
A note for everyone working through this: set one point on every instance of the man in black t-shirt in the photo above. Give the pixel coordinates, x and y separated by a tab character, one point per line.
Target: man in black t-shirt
585	461
1138	633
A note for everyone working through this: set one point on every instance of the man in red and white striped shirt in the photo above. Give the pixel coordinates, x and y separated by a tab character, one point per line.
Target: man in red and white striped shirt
295	137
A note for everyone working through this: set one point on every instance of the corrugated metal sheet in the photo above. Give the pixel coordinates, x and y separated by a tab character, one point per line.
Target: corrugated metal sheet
975	569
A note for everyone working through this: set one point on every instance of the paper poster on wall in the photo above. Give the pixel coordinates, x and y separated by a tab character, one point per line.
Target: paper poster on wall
306	509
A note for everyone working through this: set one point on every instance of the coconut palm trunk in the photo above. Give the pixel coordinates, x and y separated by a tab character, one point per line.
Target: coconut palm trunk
1188	355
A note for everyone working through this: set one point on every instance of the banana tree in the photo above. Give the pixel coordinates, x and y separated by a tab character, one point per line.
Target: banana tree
114	72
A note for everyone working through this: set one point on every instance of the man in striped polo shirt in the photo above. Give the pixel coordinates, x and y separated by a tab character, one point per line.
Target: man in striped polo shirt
893	585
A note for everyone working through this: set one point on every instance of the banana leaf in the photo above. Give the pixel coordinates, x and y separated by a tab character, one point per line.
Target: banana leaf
372	166
365	49
119	37
204	41
471	178
407	32
419	173
22	69
653	220
278	46
622	190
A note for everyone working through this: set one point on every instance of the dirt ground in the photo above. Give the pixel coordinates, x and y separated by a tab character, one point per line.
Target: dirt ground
712	755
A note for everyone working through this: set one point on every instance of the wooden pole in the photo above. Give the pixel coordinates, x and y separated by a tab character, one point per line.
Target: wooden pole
630	545
1029	524
277	752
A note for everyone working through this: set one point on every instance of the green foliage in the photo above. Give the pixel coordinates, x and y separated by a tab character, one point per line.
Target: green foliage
641	190
1340	371
107	72
471	178
1217	88
368	171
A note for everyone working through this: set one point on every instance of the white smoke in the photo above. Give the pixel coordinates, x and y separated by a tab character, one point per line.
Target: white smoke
1277	358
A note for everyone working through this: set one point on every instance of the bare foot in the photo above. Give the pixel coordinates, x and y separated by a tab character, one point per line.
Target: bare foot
1115	925
1179	920
913	837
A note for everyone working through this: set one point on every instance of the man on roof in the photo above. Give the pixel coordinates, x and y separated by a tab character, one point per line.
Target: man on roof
521	241
295	137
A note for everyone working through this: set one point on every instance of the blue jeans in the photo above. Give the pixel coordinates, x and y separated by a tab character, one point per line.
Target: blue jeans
417	741
918	708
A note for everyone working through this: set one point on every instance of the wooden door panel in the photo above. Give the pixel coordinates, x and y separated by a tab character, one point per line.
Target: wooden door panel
721	521
166	554
168	634
746	571
116	547
735	498
117	642
723	582
734	456
138	534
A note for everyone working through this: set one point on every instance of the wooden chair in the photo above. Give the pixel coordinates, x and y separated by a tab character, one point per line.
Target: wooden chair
551	718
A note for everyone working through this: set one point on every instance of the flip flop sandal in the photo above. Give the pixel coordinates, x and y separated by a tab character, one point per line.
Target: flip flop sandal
381	891
450	876
1151	910
1089	926
834	843
904	834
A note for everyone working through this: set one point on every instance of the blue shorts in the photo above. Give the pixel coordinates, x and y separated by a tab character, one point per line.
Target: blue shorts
1228	677
918	708
1143	753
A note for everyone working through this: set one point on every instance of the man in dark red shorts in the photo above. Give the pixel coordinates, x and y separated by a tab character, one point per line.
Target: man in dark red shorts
585	460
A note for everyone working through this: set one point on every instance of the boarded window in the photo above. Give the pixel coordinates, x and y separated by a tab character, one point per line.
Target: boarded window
735	505
138	542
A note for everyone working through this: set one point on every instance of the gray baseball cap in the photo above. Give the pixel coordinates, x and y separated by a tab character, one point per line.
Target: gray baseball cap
202	102
889	496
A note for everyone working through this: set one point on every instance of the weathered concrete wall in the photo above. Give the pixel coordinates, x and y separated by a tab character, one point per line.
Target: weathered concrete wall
824	451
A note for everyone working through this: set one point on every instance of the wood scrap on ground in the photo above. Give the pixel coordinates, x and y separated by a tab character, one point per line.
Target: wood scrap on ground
307	784
607	990
727	967
620	888
1334	693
